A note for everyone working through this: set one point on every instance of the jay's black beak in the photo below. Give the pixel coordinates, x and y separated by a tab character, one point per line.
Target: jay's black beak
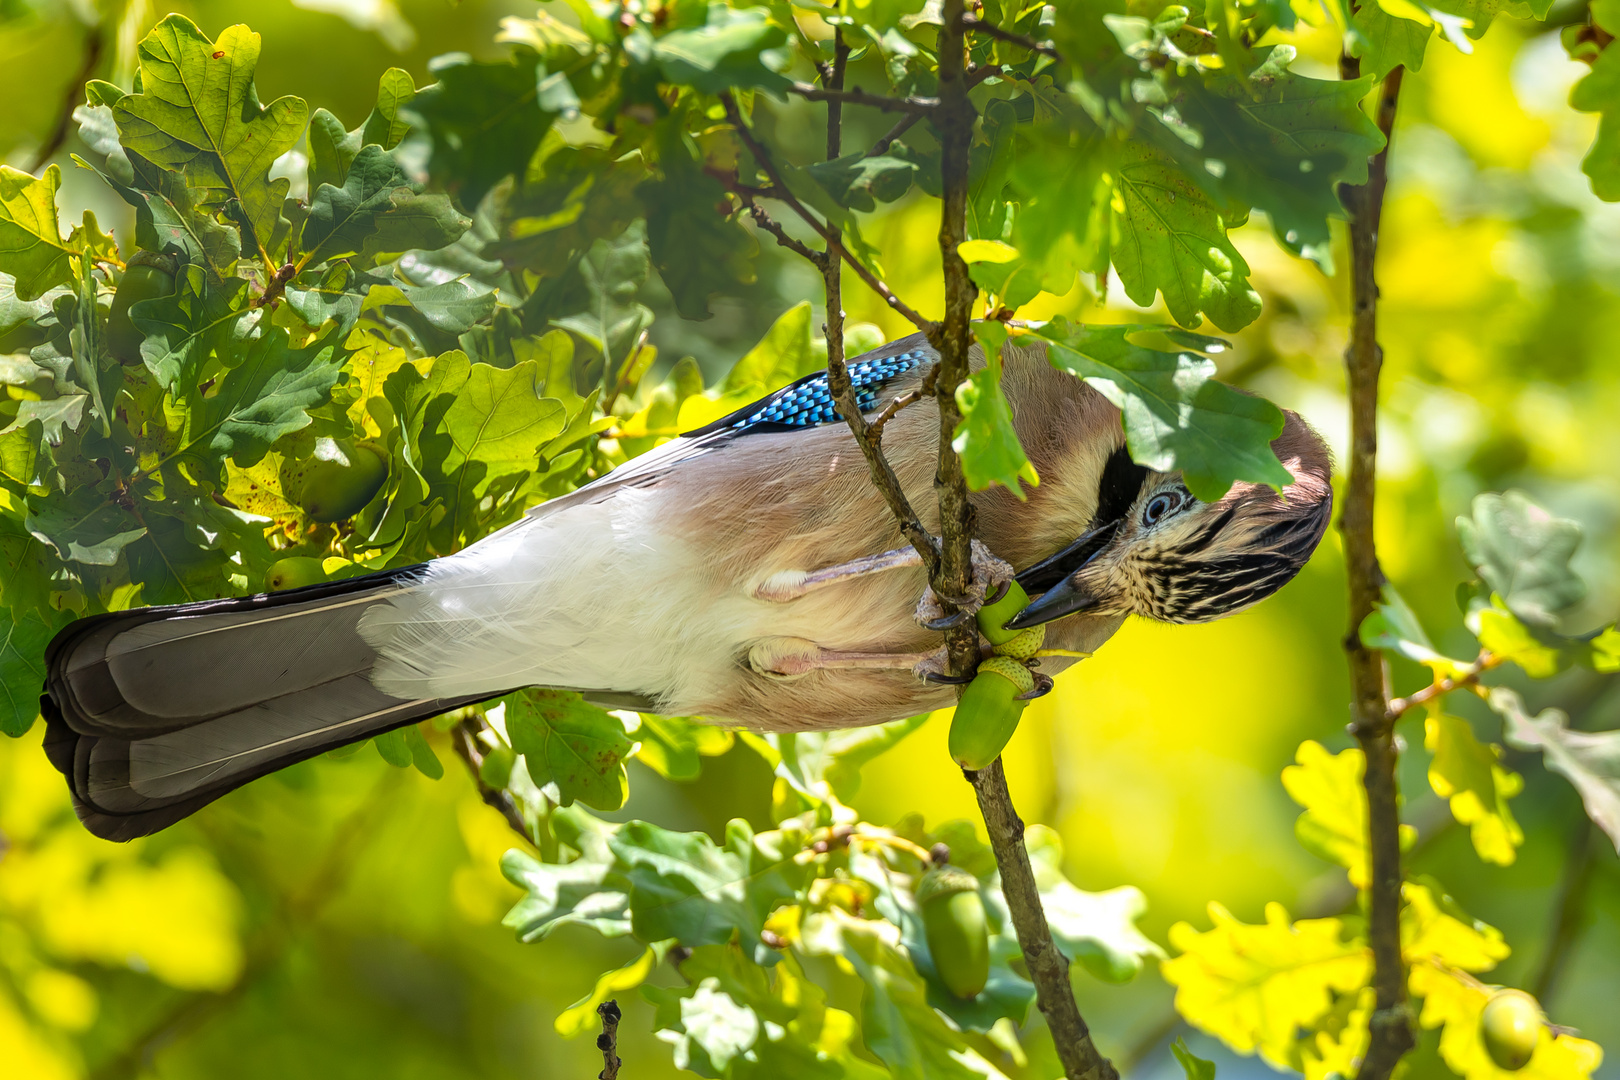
1064	598
1054	577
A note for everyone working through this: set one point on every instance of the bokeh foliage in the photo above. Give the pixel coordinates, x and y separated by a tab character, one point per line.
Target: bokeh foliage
345	913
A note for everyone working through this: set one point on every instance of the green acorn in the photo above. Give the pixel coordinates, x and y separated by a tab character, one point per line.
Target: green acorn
954	924
342	479
293	572
147	276
1511	1026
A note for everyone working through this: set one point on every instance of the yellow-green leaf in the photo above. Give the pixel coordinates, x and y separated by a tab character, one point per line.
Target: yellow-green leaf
1470	775
1434	929
581	1015
1334	824
1254	986
31	245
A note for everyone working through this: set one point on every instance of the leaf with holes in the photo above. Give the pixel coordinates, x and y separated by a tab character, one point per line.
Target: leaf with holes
566	740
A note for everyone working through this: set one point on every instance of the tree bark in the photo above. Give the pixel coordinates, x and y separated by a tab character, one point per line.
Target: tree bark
1372	721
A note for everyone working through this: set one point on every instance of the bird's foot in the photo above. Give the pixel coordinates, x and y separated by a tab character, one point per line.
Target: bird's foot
934	668
991	577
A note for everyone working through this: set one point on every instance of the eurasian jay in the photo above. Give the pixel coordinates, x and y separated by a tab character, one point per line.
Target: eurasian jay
747	572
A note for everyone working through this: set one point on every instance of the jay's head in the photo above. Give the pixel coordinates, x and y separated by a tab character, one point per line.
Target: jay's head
1155	550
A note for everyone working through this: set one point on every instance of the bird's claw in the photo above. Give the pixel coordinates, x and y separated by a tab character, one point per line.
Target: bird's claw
1043	686
947	622
942	679
991	579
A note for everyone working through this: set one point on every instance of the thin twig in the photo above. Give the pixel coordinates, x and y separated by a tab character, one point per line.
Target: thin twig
953	337
838	381
827	232
875	428
1048	967
1373	725
763	219
464	738
1011	37
1468	679
903	125
608	1041
915	105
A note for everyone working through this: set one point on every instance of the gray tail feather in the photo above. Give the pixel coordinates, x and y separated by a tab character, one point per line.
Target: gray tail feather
152	714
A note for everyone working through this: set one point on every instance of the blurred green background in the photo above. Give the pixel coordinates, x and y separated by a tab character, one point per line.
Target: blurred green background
341	919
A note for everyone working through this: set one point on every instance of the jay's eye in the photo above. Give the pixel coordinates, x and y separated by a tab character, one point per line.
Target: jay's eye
1160	507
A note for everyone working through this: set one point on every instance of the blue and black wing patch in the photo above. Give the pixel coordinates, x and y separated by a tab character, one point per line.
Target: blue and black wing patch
807	402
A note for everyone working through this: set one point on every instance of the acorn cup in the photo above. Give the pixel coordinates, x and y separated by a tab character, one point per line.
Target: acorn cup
1510	1027
955	927
147	276
989	710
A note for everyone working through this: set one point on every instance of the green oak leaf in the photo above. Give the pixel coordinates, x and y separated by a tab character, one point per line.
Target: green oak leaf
495	426
1385	42
199	113
1522	552
566	740
613	272
698	248
1097	930
27	565
1599	92
22	669
1281	142
901	1027
184	328
985	437
785	353
485	120
31	246
1168	236
1590	760
1177	414
265	396
1194	1067
687	887
453	307
83	526
592	890
859	182
332	149
32	250
726	53
378	208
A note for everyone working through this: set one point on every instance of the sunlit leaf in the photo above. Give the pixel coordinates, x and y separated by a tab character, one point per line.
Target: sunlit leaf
199	113
1471	776
567	741
1334	824
1254	985
1169	237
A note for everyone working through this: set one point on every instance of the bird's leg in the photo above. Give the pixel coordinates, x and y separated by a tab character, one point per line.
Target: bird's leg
788	585
991	576
787	657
